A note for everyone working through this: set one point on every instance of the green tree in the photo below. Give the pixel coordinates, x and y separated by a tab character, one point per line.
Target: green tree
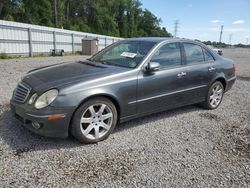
124	18
38	12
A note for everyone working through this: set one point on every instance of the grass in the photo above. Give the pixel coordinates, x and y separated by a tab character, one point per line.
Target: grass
6	56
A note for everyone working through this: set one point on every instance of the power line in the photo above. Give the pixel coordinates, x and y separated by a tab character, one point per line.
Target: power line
176	26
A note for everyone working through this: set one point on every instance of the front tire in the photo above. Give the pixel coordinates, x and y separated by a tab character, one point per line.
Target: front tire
214	96
94	120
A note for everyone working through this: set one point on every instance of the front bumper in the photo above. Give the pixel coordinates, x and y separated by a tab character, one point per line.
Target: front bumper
50	128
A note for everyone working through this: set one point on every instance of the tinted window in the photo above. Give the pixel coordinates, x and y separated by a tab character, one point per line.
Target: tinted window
207	55
194	53
168	55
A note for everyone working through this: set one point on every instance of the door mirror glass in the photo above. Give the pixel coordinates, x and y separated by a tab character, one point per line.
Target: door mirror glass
153	66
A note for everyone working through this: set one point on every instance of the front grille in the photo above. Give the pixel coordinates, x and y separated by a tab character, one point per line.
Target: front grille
21	92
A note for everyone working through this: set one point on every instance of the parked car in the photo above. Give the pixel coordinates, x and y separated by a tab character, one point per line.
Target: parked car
217	50
129	79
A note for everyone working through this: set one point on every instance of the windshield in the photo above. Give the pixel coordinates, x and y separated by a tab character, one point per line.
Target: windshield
125	53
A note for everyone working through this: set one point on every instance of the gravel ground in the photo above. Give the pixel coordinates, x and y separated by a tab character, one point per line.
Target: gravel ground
241	57
178	148
13	69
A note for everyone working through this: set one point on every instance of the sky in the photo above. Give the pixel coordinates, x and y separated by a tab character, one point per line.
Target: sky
202	19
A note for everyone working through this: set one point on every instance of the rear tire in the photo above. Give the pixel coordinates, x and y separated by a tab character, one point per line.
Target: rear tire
94	120
214	96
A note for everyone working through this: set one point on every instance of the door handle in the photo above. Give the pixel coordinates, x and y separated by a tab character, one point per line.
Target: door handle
211	69
181	74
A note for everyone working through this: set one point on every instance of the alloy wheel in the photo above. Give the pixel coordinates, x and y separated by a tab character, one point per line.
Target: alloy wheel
216	95
96	121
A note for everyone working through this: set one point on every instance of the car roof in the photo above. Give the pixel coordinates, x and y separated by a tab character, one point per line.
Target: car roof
172	39
158	39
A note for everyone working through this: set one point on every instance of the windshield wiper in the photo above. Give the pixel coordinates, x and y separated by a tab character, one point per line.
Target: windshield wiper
92	64
101	62
114	64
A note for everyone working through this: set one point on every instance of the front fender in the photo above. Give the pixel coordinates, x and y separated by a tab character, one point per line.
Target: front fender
75	99
122	92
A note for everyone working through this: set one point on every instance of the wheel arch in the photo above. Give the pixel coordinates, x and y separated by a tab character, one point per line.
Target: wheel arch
222	80
113	99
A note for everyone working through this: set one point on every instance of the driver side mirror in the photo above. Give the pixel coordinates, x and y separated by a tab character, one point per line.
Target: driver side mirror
152	66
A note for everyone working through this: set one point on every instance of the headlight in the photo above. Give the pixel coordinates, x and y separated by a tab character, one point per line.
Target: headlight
32	98
46	98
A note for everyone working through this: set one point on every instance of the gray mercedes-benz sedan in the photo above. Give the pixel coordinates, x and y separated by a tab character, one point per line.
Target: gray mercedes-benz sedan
129	79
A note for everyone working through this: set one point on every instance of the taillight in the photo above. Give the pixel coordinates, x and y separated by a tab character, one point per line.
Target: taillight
234	69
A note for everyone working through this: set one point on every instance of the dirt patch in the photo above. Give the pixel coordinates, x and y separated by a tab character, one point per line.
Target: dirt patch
1	152
3	108
244	78
93	170
209	116
242	143
242	148
237	141
20	151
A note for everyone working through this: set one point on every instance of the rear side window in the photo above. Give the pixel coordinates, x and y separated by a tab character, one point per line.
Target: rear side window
169	55
207	55
194	53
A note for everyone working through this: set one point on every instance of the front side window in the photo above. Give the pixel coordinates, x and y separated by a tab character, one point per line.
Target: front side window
168	55
125	53
194	53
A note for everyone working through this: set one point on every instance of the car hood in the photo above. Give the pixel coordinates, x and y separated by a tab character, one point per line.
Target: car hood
59	75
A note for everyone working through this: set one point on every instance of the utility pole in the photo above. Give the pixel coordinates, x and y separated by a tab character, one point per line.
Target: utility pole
221	32
55	8
176	26
230	39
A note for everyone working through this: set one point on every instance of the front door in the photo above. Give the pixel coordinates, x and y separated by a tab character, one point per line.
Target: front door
164	88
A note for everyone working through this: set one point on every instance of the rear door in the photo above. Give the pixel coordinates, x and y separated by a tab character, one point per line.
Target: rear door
199	65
